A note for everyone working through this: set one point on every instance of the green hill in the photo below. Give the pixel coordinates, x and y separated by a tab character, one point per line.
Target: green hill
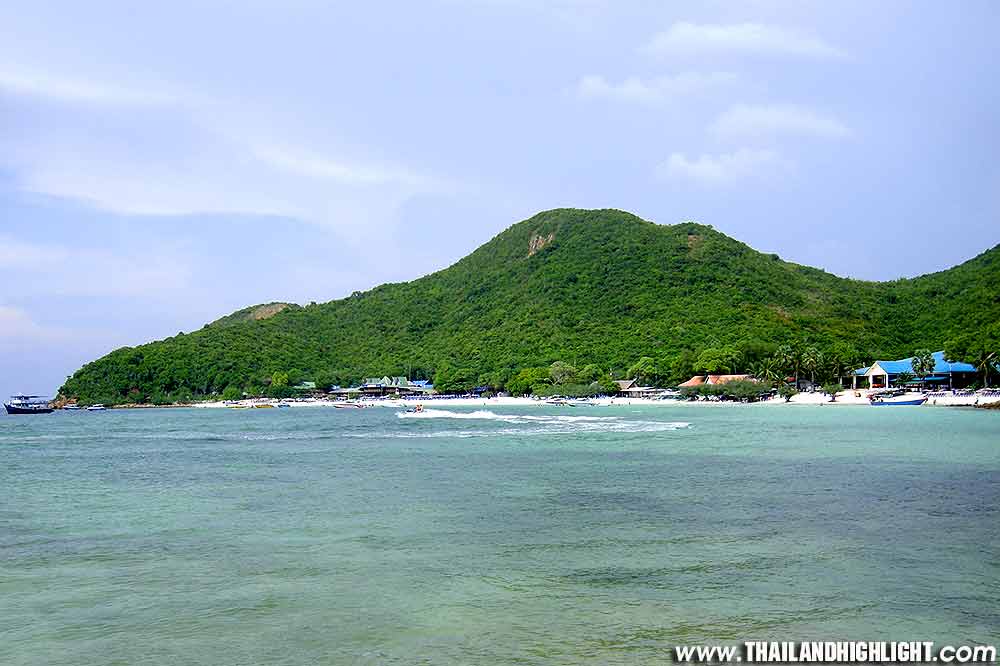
586	287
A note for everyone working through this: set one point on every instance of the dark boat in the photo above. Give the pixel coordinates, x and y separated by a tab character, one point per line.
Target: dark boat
27	404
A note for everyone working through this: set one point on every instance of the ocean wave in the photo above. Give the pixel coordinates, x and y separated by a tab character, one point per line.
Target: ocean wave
487	415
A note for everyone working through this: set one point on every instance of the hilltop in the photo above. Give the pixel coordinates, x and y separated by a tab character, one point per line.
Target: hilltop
600	287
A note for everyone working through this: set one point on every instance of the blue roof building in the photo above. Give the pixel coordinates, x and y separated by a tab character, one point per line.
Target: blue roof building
883	374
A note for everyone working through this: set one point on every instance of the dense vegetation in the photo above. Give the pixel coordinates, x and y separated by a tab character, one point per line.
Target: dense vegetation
602	291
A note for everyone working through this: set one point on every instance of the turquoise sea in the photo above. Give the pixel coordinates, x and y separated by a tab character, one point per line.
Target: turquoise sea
545	535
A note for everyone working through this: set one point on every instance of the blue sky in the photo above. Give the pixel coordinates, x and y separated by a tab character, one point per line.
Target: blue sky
161	166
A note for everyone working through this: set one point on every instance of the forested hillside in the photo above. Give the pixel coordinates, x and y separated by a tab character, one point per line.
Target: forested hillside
598	288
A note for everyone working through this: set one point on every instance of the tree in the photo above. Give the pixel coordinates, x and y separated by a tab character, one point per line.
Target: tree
981	349
767	370
644	371
451	380
232	393
842	360
812	359
590	373
717	360
832	390
562	373
787	392
324	380
790	359
524	381
923	363
903	378
279	378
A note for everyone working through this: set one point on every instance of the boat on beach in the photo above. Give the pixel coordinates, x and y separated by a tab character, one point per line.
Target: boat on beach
27	404
896	399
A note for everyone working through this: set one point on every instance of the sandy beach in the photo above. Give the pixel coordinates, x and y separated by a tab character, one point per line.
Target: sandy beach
849	397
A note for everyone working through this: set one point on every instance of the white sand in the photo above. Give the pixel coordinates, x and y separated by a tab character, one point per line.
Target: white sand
848	397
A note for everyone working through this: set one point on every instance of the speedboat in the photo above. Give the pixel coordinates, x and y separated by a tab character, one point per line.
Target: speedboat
895	399
27	404
96	408
72	407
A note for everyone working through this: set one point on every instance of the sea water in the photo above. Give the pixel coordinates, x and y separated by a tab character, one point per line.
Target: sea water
542	535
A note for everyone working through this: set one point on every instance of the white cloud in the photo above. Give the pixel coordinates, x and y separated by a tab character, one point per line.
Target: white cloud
693	38
16	324
75	271
654	90
310	165
716	170
762	121
21	81
203	156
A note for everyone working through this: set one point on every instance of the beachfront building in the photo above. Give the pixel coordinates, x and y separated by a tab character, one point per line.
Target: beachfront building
711	380
629	388
885	374
377	387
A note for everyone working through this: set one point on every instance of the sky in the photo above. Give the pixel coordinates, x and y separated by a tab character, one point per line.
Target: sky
164	164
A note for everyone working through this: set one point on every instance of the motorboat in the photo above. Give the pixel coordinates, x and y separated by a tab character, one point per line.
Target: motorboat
895	399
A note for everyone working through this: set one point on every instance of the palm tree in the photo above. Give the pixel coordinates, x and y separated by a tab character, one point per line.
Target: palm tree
986	362
789	359
812	359
767	370
923	363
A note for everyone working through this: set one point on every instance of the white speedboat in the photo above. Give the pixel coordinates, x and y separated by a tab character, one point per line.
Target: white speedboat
96	408
895	399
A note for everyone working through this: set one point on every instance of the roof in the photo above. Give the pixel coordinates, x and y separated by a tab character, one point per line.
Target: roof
698	380
625	384
941	366
722	379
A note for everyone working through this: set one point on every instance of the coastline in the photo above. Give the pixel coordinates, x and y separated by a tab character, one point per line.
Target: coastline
850	398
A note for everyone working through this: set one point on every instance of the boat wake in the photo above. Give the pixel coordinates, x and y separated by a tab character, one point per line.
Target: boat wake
543	424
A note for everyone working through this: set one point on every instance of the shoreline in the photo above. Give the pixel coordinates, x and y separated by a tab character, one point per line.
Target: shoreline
848	398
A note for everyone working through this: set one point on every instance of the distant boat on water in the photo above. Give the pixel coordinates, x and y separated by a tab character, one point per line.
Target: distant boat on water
27	404
96	408
71	408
